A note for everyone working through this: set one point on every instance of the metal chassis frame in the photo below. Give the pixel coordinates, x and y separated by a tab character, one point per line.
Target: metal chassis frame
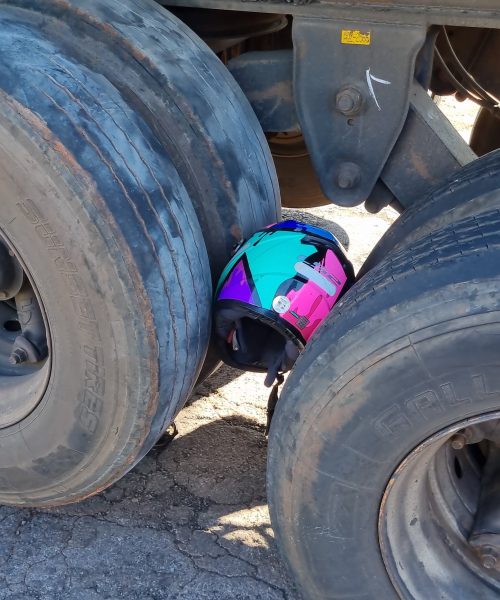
482	13
352	94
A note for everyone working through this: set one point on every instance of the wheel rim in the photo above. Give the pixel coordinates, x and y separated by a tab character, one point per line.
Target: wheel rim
427	515
25	354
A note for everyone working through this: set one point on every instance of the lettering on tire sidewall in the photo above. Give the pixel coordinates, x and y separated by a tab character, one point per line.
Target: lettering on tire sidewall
91	397
404	416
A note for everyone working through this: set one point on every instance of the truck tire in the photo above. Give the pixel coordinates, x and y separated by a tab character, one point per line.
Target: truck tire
408	354
475	189
95	211
189	99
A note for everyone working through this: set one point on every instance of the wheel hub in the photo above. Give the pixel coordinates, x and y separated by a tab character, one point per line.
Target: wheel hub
439	520
24	350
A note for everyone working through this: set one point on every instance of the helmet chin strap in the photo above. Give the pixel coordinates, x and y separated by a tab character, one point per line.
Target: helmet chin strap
273	399
273	371
283	363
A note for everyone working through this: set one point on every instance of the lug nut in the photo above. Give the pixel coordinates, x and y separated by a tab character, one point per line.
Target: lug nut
458	441
18	356
348	101
488	556
23	350
348	175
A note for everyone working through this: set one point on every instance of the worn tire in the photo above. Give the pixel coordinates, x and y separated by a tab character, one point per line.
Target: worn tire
189	99
472	191
423	324
97	211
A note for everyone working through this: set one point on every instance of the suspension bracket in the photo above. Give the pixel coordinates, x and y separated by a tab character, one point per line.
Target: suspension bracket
352	93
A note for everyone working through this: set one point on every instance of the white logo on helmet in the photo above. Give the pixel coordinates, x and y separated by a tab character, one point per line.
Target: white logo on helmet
281	304
317	277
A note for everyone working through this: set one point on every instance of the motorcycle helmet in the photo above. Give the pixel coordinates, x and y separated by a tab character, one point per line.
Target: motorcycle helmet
277	289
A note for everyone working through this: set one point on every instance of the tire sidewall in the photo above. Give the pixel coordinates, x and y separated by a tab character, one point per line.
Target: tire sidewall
76	266
336	455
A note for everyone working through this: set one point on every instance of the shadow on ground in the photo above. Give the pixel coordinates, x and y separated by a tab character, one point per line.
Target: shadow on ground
189	522
218	379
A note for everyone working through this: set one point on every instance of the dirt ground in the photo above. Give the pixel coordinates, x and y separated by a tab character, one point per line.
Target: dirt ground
189	522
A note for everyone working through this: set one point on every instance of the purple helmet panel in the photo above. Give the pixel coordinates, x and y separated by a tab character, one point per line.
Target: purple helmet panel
237	286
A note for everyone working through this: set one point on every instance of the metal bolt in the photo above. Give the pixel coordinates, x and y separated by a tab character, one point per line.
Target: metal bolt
18	356
348	101
488	556
348	175
458	441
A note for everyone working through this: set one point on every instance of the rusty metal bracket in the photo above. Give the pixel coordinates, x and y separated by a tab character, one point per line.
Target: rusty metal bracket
352	91
428	151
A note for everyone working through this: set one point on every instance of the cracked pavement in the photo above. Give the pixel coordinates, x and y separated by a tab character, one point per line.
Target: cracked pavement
189	521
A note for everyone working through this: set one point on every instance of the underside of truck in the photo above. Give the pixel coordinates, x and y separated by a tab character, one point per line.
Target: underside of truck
140	143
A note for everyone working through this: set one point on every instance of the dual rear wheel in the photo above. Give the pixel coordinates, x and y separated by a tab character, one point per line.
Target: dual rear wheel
131	165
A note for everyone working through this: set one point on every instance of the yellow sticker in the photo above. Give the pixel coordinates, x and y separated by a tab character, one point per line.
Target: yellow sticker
354	36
